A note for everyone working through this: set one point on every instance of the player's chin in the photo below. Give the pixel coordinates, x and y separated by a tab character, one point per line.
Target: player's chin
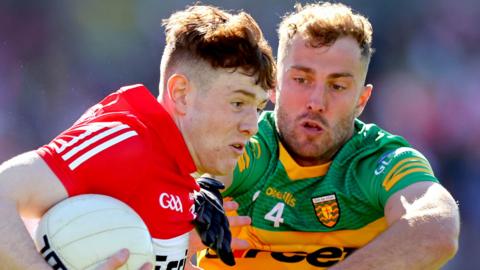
225	166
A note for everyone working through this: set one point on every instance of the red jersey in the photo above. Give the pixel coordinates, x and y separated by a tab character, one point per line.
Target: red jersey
128	147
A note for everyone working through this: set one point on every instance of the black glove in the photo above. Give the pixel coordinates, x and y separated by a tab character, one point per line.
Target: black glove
211	222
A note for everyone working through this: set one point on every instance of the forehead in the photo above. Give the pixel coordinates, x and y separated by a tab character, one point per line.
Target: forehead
342	56
229	82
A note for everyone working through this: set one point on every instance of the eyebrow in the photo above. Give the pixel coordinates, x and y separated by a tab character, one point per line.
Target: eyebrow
340	75
333	75
245	92
249	94
303	68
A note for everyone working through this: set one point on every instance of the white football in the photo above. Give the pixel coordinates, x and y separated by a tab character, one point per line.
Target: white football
81	232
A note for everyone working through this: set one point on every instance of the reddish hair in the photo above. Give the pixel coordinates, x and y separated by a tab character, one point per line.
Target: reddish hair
321	24
221	39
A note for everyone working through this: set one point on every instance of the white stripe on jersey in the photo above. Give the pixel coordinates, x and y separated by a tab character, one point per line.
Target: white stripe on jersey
74	164
89	129
92	140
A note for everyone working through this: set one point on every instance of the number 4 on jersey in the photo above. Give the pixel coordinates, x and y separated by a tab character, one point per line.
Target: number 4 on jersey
275	215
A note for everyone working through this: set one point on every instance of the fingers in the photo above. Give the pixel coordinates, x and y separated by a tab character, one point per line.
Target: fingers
240	244
225	254
237	221
230	205
147	266
115	261
118	259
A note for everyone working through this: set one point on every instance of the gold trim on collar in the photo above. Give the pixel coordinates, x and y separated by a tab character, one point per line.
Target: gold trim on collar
297	172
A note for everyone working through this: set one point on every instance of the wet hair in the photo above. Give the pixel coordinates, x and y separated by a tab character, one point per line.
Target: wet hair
322	23
207	34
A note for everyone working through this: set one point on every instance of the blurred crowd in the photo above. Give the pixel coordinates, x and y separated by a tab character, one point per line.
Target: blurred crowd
57	58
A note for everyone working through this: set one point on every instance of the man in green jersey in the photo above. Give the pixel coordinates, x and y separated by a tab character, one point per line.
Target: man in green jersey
322	188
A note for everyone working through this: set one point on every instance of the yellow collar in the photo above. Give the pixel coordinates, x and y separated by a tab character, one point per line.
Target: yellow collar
295	171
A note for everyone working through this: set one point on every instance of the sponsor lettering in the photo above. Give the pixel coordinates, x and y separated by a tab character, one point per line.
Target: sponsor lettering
323	257
50	256
384	161
286	196
163	263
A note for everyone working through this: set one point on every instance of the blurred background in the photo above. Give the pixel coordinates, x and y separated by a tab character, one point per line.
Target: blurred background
57	58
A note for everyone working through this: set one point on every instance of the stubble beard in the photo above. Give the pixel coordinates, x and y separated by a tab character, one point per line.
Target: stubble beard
310	151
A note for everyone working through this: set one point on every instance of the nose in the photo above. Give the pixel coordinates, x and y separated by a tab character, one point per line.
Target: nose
317	99
249	124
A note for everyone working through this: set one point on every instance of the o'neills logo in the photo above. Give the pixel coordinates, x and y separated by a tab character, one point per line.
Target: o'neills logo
327	209
287	197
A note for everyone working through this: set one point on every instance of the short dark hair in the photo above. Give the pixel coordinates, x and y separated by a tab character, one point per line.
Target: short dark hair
221	39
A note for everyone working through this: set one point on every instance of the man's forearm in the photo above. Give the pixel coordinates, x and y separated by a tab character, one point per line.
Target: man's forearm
407	244
17	250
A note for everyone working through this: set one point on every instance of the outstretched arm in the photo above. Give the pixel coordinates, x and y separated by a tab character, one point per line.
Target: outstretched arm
27	187
423	232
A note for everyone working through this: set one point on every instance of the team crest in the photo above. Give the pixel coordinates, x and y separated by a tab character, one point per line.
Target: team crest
327	209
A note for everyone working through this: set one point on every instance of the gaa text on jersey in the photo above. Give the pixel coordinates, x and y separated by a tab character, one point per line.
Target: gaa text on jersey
172	202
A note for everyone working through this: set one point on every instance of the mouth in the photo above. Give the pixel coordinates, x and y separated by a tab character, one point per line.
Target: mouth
238	148
311	126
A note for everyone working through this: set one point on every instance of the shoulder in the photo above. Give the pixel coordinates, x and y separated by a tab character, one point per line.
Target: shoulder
401	167
389	158
385	163
399	162
101	141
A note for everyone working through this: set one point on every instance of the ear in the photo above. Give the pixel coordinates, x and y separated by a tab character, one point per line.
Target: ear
178	87
363	99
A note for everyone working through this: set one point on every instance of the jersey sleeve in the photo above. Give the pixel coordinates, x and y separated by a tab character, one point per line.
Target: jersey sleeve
95	157
251	166
393	171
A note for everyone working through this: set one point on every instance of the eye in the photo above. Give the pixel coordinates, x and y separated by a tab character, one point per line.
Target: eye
338	87
237	104
300	80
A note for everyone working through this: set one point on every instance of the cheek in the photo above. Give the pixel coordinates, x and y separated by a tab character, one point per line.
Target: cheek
343	104
214	128
343	115
291	98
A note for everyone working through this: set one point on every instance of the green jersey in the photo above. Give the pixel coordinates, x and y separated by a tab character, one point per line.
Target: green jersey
312	217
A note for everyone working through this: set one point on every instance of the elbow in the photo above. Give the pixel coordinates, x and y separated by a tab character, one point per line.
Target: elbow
448	245
452	233
446	240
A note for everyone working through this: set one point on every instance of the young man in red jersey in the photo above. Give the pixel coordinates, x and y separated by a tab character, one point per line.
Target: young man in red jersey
215	70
